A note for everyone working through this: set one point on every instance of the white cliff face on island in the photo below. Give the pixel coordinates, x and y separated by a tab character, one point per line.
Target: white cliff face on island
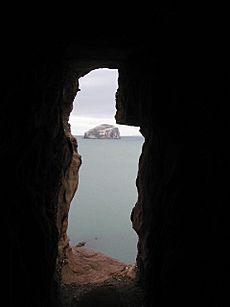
104	131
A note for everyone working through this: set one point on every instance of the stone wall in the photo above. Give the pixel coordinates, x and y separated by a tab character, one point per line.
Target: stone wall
179	253
70	174
34	149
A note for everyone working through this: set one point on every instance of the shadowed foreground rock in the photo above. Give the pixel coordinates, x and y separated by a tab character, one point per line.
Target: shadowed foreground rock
91	279
111	293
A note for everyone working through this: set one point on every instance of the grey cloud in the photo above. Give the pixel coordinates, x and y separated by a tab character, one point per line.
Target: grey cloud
97	95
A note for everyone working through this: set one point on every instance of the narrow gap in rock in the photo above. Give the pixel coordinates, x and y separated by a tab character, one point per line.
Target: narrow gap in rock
102	243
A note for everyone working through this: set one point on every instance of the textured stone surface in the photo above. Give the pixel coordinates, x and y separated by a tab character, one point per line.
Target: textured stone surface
119	291
68	188
84	266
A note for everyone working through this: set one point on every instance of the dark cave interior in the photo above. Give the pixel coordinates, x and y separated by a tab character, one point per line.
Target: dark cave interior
175	87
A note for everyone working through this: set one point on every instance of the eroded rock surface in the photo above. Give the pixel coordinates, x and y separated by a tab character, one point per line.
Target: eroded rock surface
83	265
91	278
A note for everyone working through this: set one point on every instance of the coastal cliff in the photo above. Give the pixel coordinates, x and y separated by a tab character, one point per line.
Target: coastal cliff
104	131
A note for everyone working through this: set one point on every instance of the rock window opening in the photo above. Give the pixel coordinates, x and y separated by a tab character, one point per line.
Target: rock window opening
99	225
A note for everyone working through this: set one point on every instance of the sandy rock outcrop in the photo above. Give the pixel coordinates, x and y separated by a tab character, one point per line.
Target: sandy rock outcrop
83	265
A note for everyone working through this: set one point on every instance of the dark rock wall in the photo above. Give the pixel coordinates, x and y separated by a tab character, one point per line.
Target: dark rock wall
70	175
34	155
182	248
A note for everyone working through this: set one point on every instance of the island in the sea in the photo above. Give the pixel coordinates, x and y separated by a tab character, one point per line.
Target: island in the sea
104	131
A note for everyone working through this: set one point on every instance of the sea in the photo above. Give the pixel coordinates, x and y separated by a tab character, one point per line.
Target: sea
100	210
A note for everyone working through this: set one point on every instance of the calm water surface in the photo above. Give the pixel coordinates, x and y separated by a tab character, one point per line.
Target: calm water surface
100	211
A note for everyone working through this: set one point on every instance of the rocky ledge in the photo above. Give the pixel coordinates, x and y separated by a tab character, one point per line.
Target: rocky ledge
104	131
84	265
90	278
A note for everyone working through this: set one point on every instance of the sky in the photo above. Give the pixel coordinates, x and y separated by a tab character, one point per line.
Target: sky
94	104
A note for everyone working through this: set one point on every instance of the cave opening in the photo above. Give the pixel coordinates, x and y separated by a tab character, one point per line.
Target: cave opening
99	220
175	87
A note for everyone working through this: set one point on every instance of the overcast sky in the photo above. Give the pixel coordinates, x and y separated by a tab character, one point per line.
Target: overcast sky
95	103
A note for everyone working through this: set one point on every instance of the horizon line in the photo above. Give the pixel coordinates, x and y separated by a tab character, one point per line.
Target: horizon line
136	135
